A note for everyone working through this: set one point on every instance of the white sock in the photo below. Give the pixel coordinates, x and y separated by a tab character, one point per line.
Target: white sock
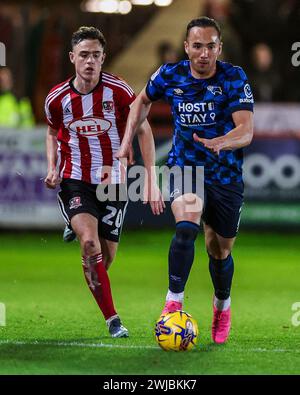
222	304
177	297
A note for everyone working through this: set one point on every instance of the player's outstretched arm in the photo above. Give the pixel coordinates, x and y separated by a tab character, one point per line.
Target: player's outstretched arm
52	178
152	192
139	111
239	137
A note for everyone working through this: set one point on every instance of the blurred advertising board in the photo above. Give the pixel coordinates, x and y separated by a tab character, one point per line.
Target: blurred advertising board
24	200
272	167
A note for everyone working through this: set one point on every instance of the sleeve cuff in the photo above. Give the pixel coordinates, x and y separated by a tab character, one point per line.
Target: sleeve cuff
247	107
152	98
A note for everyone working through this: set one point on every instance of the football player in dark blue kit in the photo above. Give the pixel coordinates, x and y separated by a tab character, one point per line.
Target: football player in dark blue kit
212	107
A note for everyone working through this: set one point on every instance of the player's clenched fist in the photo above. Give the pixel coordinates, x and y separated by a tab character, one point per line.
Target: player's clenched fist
52	179
126	152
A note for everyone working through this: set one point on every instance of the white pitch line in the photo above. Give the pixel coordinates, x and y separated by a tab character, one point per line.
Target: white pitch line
73	344
127	347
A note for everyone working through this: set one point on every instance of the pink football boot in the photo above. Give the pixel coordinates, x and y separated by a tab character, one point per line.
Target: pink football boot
171	306
221	325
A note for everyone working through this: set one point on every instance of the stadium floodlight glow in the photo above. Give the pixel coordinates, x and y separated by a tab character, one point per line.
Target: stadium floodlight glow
90	6
105	6
125	7
163	3
109	6
142	2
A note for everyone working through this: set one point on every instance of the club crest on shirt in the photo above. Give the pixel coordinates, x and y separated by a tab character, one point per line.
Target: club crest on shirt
75	202
215	90
108	106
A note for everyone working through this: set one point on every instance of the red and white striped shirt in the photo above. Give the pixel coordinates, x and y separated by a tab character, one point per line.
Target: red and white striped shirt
90	127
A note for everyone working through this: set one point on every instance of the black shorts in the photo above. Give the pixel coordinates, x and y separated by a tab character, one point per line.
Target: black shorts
77	197
222	203
222	208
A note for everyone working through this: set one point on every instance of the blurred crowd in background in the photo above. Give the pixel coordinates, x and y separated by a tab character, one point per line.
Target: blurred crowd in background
257	34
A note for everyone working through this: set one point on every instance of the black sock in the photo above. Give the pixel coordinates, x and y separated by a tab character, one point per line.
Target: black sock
181	255
221	271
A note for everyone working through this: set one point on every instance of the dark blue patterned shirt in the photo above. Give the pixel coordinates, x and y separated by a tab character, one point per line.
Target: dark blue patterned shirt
204	106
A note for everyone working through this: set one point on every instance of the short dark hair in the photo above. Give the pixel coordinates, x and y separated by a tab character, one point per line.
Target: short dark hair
204	21
88	33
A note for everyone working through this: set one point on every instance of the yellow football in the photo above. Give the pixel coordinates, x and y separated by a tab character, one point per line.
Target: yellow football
177	331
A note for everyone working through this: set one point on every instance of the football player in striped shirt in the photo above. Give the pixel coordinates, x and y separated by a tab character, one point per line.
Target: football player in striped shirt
86	117
212	107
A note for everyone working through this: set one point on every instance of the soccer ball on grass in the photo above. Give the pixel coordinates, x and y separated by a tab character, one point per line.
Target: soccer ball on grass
177	331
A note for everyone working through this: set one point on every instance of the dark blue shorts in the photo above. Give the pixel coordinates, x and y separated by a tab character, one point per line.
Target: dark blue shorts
222	208
222	204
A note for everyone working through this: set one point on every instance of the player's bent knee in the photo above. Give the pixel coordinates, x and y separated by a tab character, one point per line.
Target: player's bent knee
88	247
219	254
186	232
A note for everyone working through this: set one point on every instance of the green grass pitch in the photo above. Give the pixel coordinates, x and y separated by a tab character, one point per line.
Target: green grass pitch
53	325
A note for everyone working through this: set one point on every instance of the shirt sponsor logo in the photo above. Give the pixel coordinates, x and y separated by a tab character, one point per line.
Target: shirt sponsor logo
248	94
196	114
215	90
248	91
246	101
90	126
75	202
